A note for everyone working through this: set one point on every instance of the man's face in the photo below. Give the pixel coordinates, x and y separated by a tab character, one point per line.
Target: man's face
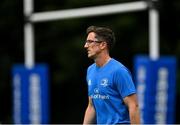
92	45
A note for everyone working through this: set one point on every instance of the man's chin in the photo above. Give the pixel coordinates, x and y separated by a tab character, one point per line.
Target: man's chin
90	56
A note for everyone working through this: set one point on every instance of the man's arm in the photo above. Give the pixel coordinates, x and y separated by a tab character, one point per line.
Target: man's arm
90	113
132	103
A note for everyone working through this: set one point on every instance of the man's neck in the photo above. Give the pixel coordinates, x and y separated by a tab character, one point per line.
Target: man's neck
102	60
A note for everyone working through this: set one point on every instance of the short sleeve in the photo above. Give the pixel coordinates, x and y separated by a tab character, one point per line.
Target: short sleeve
124	82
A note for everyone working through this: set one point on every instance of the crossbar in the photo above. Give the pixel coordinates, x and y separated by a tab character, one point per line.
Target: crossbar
88	11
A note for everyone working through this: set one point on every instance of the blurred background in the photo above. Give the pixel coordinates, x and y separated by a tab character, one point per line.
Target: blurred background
60	45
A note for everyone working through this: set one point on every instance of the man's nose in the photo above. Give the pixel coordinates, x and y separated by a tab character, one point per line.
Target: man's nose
85	45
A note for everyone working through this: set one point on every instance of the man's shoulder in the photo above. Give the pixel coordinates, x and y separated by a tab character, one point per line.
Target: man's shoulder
92	66
118	66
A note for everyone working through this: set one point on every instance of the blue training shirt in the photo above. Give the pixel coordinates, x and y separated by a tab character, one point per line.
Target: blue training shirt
107	86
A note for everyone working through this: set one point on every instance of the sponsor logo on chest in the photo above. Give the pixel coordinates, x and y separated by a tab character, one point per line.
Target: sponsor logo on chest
104	82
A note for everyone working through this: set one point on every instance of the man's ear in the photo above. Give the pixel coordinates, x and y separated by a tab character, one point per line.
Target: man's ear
103	45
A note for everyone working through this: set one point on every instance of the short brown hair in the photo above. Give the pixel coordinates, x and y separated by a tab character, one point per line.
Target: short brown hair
103	33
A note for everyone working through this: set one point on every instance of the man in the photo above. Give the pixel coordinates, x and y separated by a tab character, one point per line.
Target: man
112	95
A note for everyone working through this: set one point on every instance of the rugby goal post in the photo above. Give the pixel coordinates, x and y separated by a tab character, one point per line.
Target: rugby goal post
37	17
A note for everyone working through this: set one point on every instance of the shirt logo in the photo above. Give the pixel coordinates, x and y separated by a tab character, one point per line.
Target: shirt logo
104	82
96	90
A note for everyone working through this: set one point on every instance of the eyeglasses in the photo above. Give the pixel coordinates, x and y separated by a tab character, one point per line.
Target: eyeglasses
92	41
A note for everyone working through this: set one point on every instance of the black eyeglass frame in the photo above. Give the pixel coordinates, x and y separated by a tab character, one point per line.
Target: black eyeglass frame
93	41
